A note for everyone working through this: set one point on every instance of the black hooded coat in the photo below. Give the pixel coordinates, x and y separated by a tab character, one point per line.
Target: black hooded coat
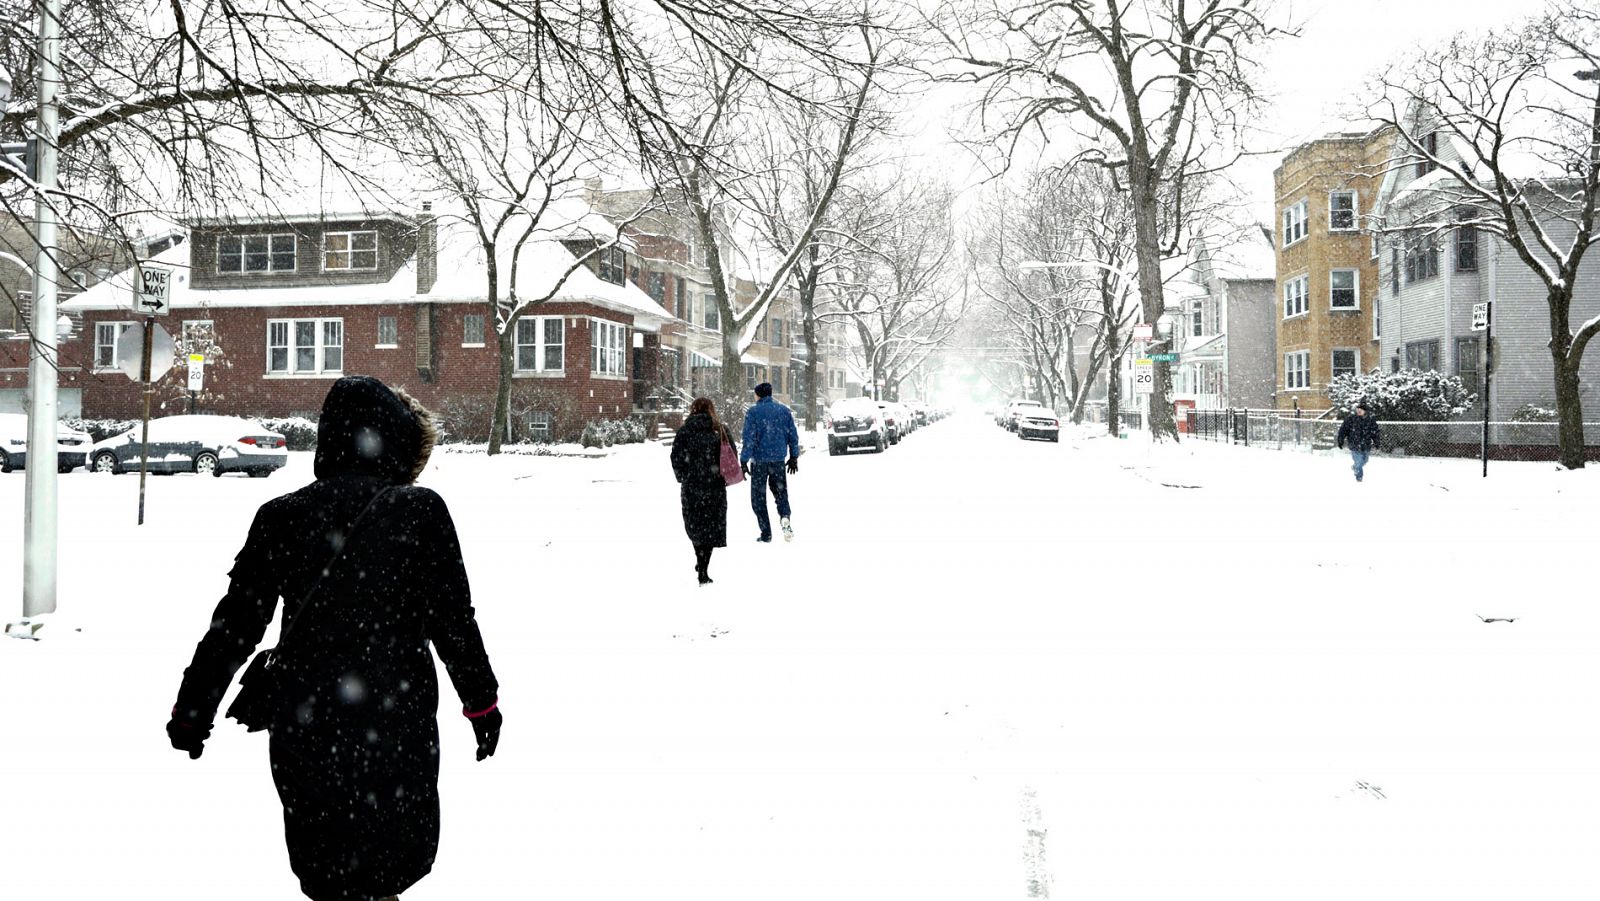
355	754
697	463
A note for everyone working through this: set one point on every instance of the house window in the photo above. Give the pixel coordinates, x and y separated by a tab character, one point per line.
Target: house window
105	342
472	330
1297	369
1198	317
658	288
541	344
777	381
388	331
1423	354
1466	244
754	375
1343	289
1422	259
1469	362
777	332
1342	211
1294	223
1430	152
1377	316
349	250
607	352
1295	292
305	346
1346	361
255	253
540	425
1394	271
713	314
678	298
613	263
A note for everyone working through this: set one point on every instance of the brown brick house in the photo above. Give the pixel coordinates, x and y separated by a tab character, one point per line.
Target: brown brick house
290	303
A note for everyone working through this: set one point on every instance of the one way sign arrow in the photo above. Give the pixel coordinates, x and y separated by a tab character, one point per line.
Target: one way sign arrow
154	292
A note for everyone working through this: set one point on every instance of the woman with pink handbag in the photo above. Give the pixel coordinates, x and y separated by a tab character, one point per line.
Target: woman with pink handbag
705	461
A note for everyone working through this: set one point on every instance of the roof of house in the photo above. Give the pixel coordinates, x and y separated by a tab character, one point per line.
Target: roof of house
461	267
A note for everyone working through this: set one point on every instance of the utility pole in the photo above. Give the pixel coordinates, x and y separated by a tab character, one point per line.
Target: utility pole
39	521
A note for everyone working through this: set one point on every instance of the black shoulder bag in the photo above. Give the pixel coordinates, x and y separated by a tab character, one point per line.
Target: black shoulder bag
262	687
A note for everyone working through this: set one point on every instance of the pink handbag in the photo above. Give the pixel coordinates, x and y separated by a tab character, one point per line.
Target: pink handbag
732	473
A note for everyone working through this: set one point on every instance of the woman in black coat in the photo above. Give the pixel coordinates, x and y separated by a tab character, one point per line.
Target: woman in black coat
697	462
355	745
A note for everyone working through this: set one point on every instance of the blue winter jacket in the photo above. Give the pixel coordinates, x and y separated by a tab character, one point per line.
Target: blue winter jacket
769	433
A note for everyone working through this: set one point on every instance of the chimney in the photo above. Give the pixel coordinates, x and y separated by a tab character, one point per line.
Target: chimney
427	249
593	190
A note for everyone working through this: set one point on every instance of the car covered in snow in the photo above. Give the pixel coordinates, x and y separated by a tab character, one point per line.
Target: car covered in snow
1022	407
205	445
14	444
893	420
856	422
1035	421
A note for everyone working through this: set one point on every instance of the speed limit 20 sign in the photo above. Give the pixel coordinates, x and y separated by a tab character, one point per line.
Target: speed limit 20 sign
1144	375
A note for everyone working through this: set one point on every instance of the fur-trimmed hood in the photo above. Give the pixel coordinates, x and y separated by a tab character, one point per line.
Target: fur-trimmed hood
368	428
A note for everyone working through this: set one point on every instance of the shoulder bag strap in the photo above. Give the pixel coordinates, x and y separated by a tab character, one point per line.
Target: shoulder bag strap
328	567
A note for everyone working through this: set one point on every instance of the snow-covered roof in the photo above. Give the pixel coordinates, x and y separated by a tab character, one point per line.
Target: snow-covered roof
461	267
1250	257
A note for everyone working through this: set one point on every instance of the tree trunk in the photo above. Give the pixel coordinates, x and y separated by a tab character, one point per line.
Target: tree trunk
1569	409
502	393
808	314
1147	247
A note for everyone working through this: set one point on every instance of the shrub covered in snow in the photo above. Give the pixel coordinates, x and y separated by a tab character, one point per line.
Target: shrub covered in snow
100	429
298	431
606	432
1408	395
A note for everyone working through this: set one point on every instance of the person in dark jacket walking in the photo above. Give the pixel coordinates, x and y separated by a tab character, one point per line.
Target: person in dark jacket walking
697	463
1361	430
355	745
769	434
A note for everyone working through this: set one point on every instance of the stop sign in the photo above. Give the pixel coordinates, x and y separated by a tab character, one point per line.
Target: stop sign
130	352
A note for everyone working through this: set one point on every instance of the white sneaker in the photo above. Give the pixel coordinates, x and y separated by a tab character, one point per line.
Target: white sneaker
788	530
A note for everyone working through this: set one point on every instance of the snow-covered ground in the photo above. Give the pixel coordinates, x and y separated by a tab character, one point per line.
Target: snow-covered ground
1220	672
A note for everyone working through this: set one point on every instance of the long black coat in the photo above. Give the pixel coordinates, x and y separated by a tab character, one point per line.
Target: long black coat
355	752
697	463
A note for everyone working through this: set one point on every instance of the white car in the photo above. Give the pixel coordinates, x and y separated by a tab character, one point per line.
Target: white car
207	445
14	444
856	422
1034	421
1019	407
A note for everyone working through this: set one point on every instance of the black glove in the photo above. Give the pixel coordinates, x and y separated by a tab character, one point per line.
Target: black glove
188	736
487	728
744	467
794	465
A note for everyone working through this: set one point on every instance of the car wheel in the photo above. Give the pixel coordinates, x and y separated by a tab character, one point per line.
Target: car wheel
879	446
65	468
833	448
259	473
206	464
5	461
105	461
1056	439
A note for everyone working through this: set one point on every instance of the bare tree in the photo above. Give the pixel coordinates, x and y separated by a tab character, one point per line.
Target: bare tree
1156	91
1511	120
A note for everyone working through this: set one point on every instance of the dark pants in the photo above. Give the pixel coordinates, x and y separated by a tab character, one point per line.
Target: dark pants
762	476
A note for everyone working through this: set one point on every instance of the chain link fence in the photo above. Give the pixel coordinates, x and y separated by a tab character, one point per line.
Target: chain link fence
1284	430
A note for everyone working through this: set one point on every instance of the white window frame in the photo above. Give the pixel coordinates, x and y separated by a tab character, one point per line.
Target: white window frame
244	269
1355	288
119	328
608	352
395	321
319	347
1355	211
1333	369
1303	296
1296	222
349	250
539	329
1290	371
482	329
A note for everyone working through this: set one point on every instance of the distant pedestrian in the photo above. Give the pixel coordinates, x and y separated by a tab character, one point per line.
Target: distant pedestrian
769	436
696	461
1361	430
371	573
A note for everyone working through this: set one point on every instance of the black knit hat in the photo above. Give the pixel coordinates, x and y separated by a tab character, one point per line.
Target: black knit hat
764	389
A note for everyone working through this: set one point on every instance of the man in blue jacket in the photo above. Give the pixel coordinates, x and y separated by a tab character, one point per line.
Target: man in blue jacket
769	435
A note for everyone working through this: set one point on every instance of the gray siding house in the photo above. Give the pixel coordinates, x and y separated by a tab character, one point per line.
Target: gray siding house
1224	326
1432	274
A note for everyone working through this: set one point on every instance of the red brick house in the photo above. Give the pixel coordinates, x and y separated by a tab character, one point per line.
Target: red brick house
287	304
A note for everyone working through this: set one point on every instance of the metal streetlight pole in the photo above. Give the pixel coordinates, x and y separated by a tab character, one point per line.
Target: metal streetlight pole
39	522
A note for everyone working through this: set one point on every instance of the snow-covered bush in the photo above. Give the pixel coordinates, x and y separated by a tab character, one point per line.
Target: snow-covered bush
465	419
1531	425
1409	395
298	431
606	432
100	429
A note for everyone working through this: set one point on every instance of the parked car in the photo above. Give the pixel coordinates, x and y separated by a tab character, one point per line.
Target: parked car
856	422
1037	422
1020	407
14	444
197	444
893	422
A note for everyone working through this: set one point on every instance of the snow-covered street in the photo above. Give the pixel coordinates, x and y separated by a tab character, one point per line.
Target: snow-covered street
1219	671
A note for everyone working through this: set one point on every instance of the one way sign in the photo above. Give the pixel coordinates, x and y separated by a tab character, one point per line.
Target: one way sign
153	292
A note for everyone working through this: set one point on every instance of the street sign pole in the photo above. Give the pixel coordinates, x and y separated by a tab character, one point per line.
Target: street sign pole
1488	378
144	434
